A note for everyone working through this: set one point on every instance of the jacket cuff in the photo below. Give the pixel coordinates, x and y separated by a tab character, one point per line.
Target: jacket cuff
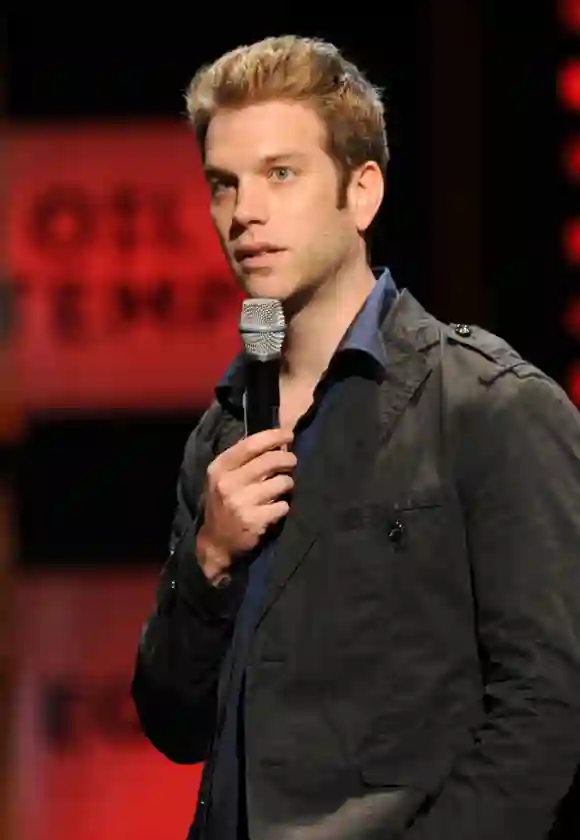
209	602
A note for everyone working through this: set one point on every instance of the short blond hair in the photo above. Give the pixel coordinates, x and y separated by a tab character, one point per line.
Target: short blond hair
297	69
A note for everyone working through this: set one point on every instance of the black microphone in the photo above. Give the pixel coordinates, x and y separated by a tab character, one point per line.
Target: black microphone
262	328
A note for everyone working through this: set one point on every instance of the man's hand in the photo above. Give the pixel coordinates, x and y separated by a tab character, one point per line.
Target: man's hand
242	498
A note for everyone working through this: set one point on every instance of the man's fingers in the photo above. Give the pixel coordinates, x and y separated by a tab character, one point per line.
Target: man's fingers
251	447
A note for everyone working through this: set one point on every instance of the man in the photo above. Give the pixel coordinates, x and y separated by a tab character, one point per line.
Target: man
369	623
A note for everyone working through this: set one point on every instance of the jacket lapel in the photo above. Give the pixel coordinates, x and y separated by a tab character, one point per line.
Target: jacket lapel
349	438
230	432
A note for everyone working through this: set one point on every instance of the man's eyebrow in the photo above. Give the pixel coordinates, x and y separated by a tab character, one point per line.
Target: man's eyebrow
217	171
283	156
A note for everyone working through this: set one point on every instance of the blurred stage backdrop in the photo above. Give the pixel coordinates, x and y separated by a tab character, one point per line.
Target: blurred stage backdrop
119	315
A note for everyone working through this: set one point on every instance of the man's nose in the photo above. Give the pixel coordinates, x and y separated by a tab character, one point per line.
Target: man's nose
251	204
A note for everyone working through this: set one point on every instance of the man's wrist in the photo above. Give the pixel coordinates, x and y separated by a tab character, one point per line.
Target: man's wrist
213	561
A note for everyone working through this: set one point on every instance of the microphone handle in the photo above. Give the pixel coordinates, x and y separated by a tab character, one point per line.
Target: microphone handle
262	395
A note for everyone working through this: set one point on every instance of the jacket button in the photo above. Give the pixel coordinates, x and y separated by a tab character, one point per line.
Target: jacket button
396	531
463	330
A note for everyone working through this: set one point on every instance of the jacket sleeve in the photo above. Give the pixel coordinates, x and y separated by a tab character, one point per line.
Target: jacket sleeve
519	462
183	643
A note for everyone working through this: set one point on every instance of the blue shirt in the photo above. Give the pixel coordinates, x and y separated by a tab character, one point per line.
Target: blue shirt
227	819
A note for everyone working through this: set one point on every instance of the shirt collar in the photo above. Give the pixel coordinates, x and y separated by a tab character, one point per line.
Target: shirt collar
363	336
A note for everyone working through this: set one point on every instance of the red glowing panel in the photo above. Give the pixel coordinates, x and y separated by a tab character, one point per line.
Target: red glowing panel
569	85
83	768
572	317
573	383
123	298
571	158
571	241
570	13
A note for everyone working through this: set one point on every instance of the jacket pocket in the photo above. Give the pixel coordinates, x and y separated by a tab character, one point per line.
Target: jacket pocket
421	760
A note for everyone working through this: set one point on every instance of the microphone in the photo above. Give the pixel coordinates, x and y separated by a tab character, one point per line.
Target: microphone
262	328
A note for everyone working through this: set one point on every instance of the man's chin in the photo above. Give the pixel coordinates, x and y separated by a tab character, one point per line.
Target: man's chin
264	284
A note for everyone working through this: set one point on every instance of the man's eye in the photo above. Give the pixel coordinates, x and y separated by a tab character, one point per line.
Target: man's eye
216	186
281	173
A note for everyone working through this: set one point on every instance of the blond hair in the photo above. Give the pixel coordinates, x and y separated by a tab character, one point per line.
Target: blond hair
297	69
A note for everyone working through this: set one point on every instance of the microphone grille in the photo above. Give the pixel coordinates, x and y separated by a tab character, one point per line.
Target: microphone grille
262	327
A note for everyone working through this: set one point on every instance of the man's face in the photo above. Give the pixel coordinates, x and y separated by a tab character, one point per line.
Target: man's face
274	199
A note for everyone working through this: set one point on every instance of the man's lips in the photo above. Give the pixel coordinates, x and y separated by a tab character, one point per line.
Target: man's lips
256	254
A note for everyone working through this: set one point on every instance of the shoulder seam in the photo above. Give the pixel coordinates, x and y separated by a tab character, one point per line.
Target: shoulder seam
504	357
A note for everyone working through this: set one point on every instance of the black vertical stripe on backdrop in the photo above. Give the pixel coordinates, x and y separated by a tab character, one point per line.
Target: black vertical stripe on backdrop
521	260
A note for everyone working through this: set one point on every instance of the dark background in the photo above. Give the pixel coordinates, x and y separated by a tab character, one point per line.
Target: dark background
100	489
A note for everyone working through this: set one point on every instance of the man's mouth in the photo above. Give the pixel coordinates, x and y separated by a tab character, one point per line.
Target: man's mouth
256	254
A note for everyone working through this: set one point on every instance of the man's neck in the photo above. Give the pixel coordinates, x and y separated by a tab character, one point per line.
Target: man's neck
314	332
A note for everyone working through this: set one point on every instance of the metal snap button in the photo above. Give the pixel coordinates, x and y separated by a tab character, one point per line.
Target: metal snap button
396	531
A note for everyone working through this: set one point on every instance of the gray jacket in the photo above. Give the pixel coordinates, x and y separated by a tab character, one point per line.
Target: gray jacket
415	671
